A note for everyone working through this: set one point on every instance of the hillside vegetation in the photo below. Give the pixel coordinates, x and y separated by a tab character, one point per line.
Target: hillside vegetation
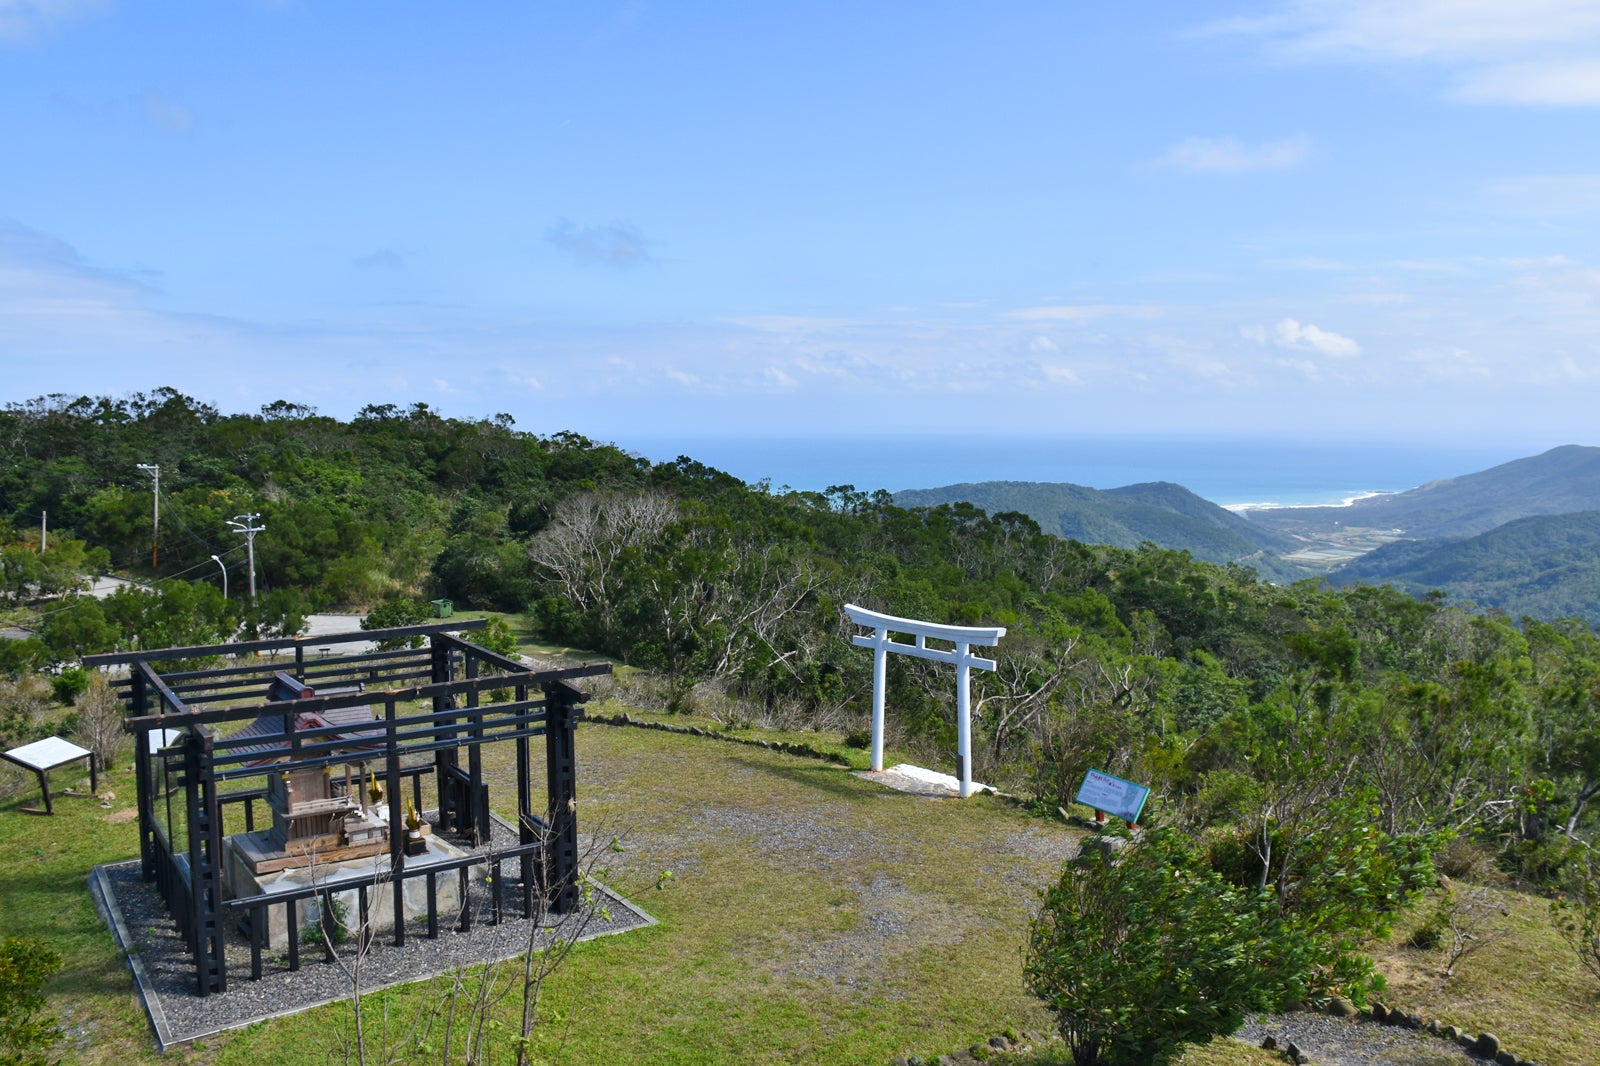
1160	513
1314	747
1547	566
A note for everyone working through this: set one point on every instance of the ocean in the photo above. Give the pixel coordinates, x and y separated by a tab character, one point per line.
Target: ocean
1238	473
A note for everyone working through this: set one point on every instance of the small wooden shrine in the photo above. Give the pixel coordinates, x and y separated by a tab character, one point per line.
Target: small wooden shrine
327	745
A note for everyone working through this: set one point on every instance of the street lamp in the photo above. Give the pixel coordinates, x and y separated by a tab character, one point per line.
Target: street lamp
154	470
244	525
224	576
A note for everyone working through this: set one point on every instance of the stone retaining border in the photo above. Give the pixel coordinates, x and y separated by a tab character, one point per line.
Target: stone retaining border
1485	1045
788	748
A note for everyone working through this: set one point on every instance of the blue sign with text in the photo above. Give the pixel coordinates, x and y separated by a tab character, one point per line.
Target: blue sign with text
1113	795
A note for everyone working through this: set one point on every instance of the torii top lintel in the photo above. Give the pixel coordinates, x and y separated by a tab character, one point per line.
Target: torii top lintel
883	624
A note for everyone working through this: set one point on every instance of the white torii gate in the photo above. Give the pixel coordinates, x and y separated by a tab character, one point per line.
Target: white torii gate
963	637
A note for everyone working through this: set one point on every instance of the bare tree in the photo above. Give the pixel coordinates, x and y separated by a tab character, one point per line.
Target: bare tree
588	534
1470	920
100	720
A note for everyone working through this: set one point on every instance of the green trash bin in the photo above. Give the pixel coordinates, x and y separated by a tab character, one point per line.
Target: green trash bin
443	608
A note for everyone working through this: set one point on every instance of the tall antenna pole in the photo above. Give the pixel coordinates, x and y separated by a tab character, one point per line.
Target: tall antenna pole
154	470
44	535
244	524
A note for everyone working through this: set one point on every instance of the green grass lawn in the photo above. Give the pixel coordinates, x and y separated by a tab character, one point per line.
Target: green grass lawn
811	916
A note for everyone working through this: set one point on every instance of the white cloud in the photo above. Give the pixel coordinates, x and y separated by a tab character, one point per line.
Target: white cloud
1547	195
1450	364
170	116
616	245
1429	266
1375	299
1082	312
1043	345
23	21
1291	334
1570	83
801	324
384	259
1228	155
1063	375
1502	51
1308	262
683	377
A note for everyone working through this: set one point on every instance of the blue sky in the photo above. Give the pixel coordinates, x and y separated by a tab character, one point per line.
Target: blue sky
639	220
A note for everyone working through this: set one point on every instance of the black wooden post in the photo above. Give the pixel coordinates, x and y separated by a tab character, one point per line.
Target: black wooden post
147	831
139	701
205	858
565	707
445	759
397	823
525	825
481	830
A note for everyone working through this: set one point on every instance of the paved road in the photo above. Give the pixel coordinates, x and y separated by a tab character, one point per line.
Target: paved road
321	625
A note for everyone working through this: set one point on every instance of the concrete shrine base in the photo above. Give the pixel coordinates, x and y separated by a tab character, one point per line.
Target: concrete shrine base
242	882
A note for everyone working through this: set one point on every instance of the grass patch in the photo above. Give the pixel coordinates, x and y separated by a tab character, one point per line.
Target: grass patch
1526	986
811	916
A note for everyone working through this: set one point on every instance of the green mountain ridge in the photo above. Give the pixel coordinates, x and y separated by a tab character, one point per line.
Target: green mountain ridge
1157	512
1563	480
1544	566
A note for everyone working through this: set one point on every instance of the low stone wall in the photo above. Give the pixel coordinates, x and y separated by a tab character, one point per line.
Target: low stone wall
787	747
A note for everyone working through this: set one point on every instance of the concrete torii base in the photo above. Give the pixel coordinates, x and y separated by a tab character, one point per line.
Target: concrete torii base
920	781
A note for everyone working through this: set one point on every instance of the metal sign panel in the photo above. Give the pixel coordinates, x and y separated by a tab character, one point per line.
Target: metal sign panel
1113	795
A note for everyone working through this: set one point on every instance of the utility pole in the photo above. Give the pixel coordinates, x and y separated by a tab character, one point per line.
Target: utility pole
244	524
154	470
218	561
44	534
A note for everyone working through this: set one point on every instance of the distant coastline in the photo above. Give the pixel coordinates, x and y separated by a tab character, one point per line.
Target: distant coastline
1342	501
1238	473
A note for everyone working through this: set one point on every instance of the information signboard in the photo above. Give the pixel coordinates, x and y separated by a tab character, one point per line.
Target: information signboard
1113	795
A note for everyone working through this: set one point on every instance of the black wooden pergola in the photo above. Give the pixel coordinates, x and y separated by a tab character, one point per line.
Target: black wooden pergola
196	730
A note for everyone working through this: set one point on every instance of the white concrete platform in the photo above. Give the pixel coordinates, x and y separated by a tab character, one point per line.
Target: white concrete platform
920	781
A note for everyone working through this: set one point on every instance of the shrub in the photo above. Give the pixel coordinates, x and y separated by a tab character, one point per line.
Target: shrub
1578	917
1143	953
27	1033
392	614
1466	859
69	683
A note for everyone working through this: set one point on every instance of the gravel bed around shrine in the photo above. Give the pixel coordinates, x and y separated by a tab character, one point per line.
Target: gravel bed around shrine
1331	1041
164	969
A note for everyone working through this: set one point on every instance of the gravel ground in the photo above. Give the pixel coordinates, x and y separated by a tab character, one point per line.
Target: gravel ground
164	970
1330	1041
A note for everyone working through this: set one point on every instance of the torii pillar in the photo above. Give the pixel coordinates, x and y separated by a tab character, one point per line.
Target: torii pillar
963	637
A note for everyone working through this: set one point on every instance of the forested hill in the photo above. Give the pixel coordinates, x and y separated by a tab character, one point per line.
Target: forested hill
1560	481
1547	566
1225	693
1156	512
